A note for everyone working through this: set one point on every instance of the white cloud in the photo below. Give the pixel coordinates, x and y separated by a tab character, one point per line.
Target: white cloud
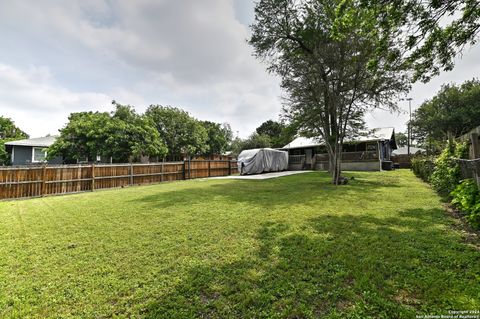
59	57
192	54
466	68
37	105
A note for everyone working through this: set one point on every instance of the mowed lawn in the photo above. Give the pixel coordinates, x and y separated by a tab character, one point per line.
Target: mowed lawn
293	247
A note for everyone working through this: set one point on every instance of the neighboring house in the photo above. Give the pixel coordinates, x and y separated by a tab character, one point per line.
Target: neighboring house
370	152
401	159
31	151
413	151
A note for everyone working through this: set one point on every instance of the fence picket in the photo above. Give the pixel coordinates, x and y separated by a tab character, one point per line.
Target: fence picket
24	182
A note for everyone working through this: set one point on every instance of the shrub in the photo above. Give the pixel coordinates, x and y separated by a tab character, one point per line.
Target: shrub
446	174
423	167
466	197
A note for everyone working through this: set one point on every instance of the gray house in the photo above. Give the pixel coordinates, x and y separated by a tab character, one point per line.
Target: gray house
31	151
369	152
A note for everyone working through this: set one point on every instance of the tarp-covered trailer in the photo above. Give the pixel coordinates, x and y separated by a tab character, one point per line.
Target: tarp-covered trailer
262	160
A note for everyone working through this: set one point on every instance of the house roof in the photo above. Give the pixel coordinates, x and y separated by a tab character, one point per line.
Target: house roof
376	134
413	150
38	141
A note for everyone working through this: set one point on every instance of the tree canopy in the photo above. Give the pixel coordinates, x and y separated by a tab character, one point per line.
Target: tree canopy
255	140
8	132
126	136
219	137
182	134
401	139
279	133
122	135
432	33
333	62
453	111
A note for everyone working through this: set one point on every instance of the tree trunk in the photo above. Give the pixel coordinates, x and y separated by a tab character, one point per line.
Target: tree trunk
335	159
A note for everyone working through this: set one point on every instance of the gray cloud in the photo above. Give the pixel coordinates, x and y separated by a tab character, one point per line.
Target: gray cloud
58	57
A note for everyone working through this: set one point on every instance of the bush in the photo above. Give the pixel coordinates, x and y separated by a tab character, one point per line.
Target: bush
423	167
446	174
466	197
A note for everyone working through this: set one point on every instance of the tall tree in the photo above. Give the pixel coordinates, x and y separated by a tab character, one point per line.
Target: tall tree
432	33
333	62
122	135
219	137
255	140
280	133
453	111
183	134
401	139
8	132
83	138
270	128
132	136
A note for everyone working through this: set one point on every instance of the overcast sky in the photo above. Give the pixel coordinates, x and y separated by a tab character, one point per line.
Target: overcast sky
58	57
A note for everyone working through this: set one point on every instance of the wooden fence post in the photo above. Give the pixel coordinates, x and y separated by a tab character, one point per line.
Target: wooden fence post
209	168
44	179
183	171
131	173
161	171
229	167
189	173
93	178
475	145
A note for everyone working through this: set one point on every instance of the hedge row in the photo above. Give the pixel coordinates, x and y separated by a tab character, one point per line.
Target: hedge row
444	174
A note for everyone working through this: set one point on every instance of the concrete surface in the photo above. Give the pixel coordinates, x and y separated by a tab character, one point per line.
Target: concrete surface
263	176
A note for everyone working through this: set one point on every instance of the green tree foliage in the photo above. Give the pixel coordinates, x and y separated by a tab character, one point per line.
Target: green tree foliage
431	33
253	141
334	64
423	167
446	174
279	133
466	197
132	136
453	111
182	134
8	132
271	128
219	137
401	139
123	135
83	138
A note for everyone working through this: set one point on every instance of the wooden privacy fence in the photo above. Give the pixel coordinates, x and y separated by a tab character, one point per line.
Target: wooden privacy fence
470	169
403	160
34	181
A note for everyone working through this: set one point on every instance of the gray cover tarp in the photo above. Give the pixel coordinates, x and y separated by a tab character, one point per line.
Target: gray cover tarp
262	160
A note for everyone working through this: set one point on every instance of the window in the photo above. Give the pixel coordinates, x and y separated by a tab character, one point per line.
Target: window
38	155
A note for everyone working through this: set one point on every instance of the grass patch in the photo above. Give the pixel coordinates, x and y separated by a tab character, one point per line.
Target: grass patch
293	247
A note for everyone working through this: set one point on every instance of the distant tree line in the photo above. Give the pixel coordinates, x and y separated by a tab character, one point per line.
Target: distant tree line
274	134
8	132
161	133
452	112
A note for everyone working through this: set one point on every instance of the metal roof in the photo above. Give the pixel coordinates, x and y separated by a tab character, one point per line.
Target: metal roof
376	134
38	141
413	150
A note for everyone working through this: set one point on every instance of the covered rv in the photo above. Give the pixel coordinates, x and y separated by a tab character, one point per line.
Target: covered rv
262	160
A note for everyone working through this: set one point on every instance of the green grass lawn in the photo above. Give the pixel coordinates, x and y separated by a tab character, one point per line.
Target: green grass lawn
293	247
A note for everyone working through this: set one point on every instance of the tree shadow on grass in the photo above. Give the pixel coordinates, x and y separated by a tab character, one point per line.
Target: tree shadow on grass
285	191
336	266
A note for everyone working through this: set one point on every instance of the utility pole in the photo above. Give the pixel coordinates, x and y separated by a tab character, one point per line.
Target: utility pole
409	134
